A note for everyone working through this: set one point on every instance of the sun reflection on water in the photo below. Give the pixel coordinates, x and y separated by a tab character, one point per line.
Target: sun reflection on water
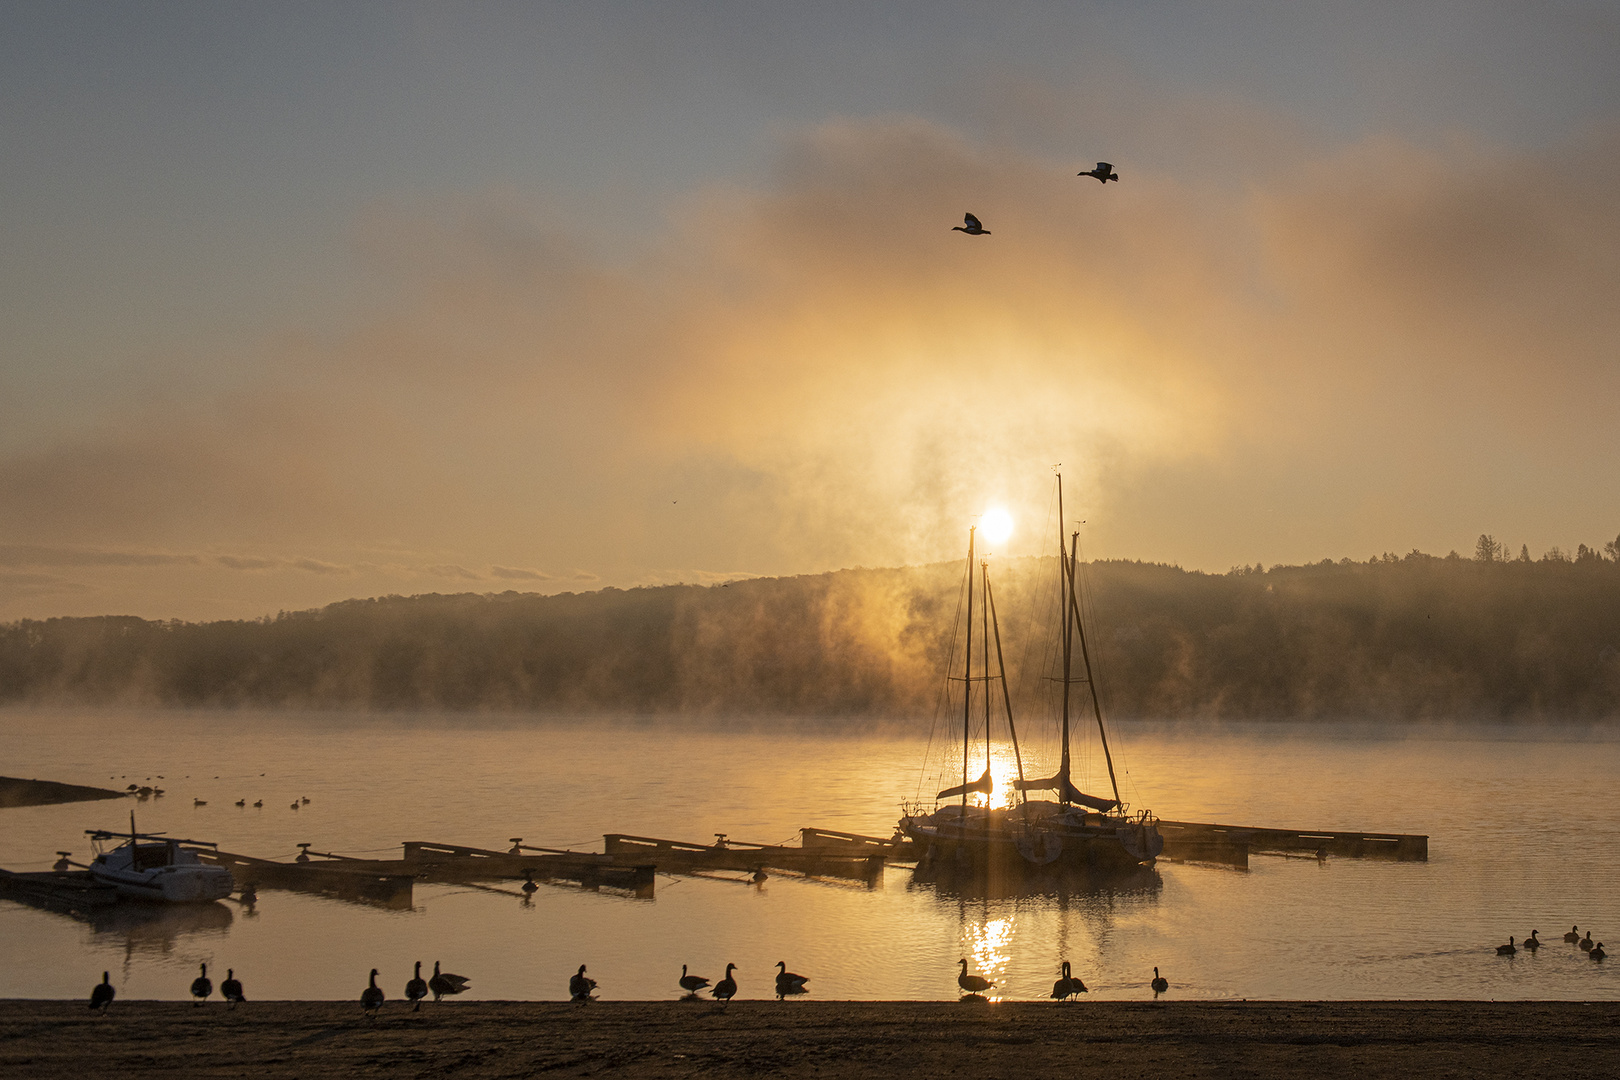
988	947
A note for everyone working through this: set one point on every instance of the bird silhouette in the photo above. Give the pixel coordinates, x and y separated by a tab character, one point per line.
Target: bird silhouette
416	989
580	986
1586	942
202	986
231	988
1506	950
973	984
1104	172
1160	983
101	997
1574	935
1068	985
371	998
295	806
199	802
692	983
726	988
971	226
258	804
787	982
1597	952
528	885
1532	942
241	802
446	983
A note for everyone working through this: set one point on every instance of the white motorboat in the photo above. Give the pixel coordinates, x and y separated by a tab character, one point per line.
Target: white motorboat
151	866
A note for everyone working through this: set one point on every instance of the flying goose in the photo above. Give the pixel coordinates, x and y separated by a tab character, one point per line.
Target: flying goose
1160	983
1104	172
202	986
231	988
971	226
580	986
787	982
446	983
416	989
726	988
371	998
692	983
1506	950
101	997
973	984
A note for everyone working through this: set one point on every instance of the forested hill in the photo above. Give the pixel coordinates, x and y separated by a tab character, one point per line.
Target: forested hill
1412	637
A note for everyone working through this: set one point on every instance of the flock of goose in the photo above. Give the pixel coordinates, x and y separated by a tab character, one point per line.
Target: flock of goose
974	227
582	988
1532	943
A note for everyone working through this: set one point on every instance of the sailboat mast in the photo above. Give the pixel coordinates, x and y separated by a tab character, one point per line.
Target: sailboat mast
1063	587
984	616
967	681
1085	655
1006	695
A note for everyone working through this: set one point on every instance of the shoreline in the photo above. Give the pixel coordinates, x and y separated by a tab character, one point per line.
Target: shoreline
1356	1040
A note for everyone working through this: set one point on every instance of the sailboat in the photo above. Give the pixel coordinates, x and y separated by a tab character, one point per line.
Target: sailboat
1069	831
152	866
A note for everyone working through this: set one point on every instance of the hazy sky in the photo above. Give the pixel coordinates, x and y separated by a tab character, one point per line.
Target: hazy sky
310	301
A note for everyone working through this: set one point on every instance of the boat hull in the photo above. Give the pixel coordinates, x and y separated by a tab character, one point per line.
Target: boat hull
1029	842
169	885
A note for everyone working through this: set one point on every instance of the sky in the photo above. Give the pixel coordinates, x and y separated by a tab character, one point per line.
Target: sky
309	301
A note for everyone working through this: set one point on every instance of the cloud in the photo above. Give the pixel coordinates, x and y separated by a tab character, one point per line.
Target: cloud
37	555
519	574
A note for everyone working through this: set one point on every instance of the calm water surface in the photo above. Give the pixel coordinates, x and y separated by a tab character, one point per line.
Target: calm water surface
1524	827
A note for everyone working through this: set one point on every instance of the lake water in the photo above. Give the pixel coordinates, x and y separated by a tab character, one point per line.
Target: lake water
1524	833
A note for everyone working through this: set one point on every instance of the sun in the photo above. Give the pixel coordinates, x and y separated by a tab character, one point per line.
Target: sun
997	525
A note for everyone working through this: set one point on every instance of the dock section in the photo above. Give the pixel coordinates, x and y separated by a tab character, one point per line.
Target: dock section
678	856
1231	845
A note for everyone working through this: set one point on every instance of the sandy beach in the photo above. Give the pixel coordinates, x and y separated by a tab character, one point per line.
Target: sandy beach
1362	1040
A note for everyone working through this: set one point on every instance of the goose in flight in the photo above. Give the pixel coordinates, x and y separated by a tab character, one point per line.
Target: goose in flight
973	984
1103	172
971	226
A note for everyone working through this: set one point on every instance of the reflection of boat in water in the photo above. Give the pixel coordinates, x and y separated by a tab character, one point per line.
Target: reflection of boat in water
143	925
1027	839
151	866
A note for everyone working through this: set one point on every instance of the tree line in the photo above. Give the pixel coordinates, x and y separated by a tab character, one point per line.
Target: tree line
1396	637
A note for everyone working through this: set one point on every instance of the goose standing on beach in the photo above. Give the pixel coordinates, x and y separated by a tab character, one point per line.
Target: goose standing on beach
202	986
580	986
1574	935
371	998
787	982
1068	985
102	995
1160	983
692	983
231	988
1532	942
1586	942
416	989
973	984
726	988
1506	950
446	983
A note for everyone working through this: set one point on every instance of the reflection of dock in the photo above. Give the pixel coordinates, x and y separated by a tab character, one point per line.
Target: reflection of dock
343	882
1231	845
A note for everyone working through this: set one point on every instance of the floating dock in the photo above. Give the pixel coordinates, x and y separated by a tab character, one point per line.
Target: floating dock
679	857
66	890
1231	845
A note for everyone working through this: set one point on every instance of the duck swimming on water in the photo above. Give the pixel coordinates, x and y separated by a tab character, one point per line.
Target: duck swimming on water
1597	952
1586	942
1532	942
1574	935
1160	984
1506	950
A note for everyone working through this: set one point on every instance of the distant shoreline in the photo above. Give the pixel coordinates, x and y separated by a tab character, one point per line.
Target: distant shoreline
15	792
1362	1040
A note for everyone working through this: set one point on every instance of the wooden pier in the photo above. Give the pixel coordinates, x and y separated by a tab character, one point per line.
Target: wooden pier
678	856
1231	845
65	890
